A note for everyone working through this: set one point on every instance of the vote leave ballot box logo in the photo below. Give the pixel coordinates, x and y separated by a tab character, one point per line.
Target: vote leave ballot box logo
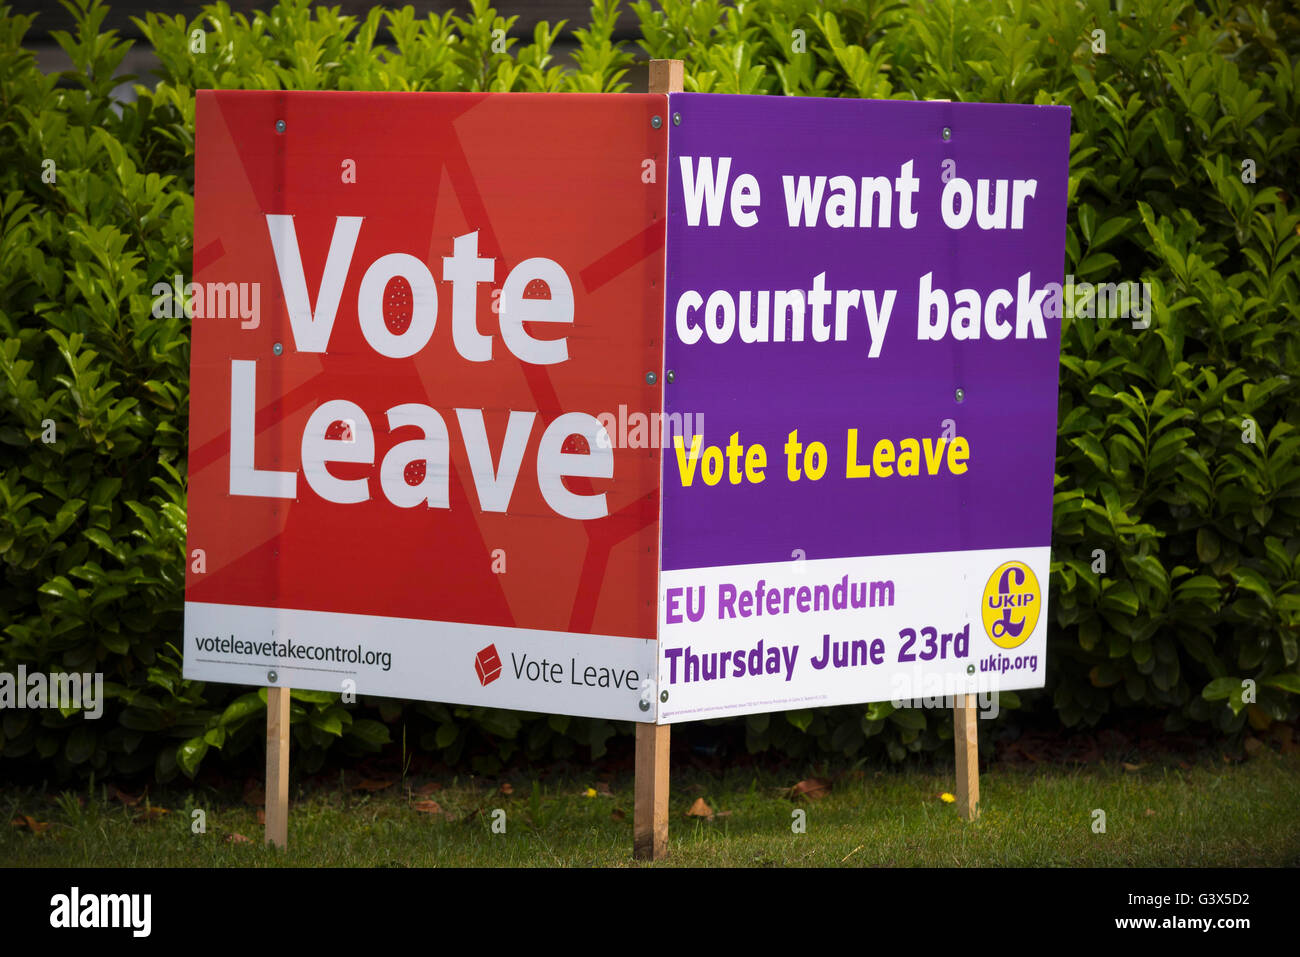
862	309
487	665
399	464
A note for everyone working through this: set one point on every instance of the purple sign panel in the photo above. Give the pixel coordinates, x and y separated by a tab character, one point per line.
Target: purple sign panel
862	327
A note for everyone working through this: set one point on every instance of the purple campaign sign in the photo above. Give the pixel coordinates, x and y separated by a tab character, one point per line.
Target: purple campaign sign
818	327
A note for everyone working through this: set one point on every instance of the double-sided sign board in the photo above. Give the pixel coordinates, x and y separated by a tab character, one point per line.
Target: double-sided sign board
550	402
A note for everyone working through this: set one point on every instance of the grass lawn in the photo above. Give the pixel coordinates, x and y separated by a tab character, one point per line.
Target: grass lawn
1205	814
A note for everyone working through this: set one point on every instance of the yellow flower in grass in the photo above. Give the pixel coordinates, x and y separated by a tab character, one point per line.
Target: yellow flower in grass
946	798
591	792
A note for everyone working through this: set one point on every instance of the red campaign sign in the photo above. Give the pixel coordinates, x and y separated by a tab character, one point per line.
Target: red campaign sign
410	311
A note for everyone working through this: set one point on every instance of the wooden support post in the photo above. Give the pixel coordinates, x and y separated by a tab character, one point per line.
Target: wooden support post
966	742
277	766
650	813
666	76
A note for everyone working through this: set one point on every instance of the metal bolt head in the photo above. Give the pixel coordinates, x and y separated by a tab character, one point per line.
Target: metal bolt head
947	134
272	677
670	375
277	348
970	669
663	696
651	378
656	122
959	395
677	119
280	126
645	705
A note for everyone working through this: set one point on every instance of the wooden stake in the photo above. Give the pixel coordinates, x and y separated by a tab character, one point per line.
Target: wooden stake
650	814
666	76
277	766
966	742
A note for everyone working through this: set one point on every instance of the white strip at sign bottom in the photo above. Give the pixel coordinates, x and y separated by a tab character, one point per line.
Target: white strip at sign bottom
780	636
551	672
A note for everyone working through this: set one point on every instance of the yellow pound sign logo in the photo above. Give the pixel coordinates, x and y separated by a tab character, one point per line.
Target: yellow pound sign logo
1010	604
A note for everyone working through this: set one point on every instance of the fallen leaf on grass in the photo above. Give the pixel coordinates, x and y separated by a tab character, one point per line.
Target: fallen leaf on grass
700	809
424	790
117	794
813	789
150	814
1132	767
1148	813
233	838
1022	749
29	822
507	788
374	784
618	814
427	807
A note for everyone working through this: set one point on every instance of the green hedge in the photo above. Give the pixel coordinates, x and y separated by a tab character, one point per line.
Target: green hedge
1197	529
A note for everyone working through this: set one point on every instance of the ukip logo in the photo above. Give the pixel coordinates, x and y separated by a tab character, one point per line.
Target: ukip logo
1010	604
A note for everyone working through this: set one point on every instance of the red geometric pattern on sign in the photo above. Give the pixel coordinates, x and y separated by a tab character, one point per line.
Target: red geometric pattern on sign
450	177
